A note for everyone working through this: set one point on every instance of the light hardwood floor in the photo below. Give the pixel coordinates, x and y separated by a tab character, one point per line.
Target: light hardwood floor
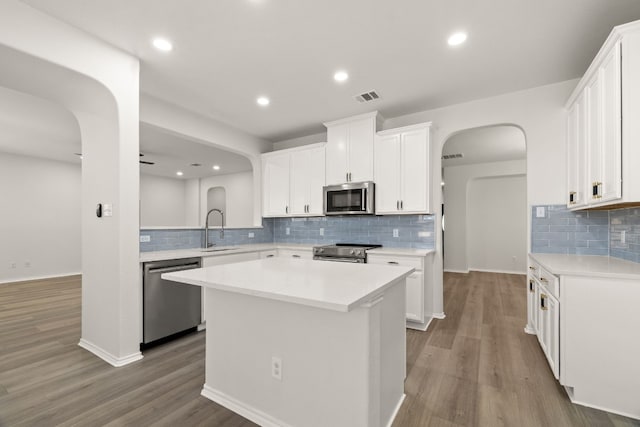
474	368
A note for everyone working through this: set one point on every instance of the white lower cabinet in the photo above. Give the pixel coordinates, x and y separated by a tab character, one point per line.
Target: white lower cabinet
419	290
532	306
549	328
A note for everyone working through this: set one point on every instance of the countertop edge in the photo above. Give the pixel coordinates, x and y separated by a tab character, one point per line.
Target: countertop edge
560	270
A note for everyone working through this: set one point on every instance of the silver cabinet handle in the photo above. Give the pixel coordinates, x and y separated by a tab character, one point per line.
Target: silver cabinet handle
295	256
401	203
397	205
286	209
346	176
270	256
393	262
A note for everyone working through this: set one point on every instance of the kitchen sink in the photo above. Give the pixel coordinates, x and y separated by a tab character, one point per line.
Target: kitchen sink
217	249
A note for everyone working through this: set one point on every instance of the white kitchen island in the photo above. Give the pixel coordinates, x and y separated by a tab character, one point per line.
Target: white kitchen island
293	342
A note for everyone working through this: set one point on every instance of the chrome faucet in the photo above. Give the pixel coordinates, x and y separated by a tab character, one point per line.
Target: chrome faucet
206	227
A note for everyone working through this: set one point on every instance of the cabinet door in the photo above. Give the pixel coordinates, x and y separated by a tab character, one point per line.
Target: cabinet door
611	128
577	155
414	172
553	334
415	297
299	182
594	139
387	173
337	154
361	135
316	180
275	195
532	306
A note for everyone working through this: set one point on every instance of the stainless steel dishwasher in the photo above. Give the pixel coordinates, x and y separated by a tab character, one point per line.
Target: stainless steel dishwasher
170	309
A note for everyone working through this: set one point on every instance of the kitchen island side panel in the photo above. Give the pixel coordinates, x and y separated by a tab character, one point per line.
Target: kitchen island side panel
339	369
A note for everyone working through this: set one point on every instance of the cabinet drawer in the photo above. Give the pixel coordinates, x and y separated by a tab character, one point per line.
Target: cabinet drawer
534	269
414	262
269	254
289	253
549	281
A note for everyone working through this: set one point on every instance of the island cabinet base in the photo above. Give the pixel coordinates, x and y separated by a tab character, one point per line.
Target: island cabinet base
336	368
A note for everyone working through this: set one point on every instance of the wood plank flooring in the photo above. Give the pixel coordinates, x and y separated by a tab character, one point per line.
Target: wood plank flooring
474	368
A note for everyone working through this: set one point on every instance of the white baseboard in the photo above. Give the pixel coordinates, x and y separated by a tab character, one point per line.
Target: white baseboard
489	270
240	408
108	357
28	279
440	315
635	416
529	330
419	326
396	410
456	271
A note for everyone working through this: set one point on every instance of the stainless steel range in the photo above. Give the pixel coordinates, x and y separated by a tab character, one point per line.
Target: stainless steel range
343	252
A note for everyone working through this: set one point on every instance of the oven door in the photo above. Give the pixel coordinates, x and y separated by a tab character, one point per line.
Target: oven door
349	199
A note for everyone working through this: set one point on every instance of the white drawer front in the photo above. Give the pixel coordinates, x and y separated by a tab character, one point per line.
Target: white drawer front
415	262
551	282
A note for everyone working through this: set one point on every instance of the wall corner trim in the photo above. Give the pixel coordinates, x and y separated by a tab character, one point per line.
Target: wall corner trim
108	357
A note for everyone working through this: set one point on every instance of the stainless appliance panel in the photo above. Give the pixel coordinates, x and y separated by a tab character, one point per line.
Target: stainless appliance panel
354	198
169	307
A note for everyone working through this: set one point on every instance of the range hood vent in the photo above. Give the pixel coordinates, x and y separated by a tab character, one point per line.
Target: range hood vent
452	156
367	96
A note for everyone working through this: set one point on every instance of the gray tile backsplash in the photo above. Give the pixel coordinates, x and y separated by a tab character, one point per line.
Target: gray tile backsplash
414	231
627	221
561	231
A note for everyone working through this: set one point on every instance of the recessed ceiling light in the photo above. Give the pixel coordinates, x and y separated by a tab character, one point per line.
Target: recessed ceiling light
340	76
216	167
457	39
162	44
263	100
179	173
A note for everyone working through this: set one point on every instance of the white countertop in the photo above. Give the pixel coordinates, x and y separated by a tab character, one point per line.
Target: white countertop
239	249
329	285
588	265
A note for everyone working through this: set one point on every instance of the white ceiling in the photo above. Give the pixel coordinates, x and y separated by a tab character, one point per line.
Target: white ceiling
487	144
32	126
228	52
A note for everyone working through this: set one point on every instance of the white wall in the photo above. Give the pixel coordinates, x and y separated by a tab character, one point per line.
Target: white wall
216	198
240	198
162	201
459	208
39	218
298	142
497	224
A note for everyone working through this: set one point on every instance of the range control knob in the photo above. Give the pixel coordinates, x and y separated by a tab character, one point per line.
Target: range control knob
351	252
358	252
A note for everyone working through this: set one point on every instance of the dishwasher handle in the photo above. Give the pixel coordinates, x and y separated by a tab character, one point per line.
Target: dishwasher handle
174	268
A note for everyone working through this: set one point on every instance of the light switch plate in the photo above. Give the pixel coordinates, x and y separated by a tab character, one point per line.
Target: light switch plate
396	233
540	212
424	234
322	231
145	239
252	235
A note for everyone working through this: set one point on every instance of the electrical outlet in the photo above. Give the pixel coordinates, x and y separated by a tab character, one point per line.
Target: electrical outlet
27	264
276	368
623	236
396	233
322	231
424	234
287	231
252	235
145	239
540	212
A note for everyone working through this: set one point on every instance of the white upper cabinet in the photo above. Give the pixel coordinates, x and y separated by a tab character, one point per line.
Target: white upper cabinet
577	155
307	180
402	170
292	181
275	184
602	135
349	149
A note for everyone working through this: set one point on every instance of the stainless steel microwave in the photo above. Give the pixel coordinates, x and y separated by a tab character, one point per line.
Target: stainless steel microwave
353	198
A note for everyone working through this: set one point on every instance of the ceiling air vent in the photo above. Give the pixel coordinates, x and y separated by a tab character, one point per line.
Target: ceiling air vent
367	96
452	156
